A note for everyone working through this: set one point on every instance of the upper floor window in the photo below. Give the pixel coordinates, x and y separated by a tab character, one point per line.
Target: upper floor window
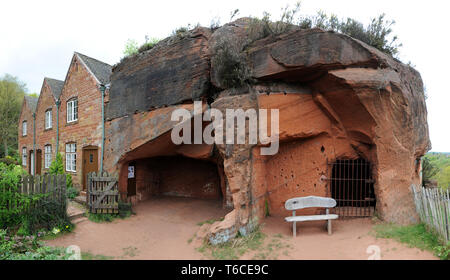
24	128
24	156
47	156
48	119
72	110
71	157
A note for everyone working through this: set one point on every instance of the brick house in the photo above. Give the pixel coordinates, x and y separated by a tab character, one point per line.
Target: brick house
25	139
80	117
46	125
68	118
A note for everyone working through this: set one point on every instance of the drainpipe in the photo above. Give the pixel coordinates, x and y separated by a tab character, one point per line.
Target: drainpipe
34	144
102	90
58	104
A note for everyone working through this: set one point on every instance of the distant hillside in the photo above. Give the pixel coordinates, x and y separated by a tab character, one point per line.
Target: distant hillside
441	161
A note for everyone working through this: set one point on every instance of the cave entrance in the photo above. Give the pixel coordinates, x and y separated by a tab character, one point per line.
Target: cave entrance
174	176
352	186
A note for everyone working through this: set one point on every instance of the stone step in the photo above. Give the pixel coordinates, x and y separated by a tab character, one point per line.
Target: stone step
75	210
80	199
76	216
79	220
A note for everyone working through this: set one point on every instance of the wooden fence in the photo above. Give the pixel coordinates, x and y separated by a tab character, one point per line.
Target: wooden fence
433	206
102	193
39	188
53	185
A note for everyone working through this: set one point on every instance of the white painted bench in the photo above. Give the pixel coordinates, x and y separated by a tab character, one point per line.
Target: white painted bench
298	203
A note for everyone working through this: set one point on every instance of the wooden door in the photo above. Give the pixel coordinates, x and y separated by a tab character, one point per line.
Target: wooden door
90	163
38	162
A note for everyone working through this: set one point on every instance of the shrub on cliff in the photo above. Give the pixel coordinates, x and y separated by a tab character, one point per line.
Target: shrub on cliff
377	34
230	64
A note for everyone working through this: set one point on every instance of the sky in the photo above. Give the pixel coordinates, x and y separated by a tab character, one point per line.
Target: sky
38	38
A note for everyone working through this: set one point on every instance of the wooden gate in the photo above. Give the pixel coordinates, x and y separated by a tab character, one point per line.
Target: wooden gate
102	193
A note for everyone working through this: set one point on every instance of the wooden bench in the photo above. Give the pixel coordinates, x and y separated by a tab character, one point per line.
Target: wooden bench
298	203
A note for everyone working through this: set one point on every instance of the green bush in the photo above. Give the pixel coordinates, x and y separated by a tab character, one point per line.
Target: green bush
149	44
12	203
49	215
57	166
26	213
131	48
8	160
377	34
231	66
28	248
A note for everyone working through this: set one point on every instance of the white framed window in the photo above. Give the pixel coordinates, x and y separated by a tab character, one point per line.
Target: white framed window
71	157
47	156
24	156
48	119
72	110
24	128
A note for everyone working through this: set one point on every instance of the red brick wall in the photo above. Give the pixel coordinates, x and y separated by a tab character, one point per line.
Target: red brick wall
177	176
26	141
45	136
87	131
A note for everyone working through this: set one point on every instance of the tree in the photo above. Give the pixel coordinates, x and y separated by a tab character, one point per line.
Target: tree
131	47
429	170
444	178
12	92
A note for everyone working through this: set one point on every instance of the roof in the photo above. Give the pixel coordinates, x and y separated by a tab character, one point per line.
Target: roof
56	86
32	102
99	69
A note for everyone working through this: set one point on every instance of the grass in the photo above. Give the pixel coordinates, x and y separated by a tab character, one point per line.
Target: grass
254	243
107	218
130	251
211	221
414	236
89	256
235	248
102	218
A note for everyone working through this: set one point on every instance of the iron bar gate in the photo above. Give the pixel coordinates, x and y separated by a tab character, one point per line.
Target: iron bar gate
351	185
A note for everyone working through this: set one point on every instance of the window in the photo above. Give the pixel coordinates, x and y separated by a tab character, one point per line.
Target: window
24	156
24	128
47	156
72	110
48	119
71	157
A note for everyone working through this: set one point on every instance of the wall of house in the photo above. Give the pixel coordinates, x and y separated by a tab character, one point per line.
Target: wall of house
45	136
87	131
26	141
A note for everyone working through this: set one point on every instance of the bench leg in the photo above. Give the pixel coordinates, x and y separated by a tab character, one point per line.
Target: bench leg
294	229
329	227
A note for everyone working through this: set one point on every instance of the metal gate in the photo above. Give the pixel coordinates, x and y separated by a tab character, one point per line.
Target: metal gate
351	185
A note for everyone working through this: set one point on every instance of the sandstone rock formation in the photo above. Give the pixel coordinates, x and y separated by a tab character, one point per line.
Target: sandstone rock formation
338	98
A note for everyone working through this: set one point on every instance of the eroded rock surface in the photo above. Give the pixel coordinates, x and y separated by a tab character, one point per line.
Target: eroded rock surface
338	98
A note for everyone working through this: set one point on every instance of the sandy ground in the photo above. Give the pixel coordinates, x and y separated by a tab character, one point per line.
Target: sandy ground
162	227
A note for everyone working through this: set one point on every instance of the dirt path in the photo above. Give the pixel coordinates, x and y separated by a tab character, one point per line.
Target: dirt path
349	241
162	227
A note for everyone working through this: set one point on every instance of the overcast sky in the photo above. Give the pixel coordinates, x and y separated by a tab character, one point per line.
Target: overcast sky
38	38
